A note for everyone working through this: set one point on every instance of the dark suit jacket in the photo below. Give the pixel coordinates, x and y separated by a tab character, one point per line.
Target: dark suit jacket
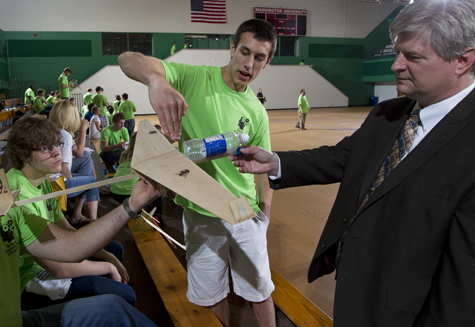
409	257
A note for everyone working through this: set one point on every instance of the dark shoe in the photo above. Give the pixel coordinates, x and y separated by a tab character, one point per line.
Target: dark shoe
303	129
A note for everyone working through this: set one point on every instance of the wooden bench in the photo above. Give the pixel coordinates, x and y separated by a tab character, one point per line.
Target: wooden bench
170	278
12	102
97	146
300	310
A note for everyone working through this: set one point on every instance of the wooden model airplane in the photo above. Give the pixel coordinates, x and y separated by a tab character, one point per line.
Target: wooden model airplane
155	158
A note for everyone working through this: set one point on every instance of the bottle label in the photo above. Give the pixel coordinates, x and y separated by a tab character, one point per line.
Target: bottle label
215	145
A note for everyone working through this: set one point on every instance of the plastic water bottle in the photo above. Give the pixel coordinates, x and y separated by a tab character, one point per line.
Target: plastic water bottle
214	147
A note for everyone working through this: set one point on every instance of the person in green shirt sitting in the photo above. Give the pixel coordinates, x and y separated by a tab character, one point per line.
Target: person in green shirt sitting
128	108
39	104
51	100
113	140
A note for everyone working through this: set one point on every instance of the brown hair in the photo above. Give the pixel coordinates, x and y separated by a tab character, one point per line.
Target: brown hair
28	133
65	115
67	70
118	116
261	30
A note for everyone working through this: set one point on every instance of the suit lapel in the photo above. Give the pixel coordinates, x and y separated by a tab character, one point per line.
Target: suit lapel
387	130
444	131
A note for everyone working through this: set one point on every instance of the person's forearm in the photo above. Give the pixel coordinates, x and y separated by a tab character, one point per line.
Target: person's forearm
110	148
139	68
80	143
80	269
60	245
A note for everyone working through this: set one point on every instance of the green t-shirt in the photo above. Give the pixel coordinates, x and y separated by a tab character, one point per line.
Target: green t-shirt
186	46
109	118
116	106
100	100
113	137
19	228
303	104
38	103
84	111
173	49
47	209
213	109
63	93
87	98
124	188
51	100
301	64
29	92
127	107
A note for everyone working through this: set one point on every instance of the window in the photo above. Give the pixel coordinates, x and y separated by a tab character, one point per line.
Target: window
114	43
141	42
288	46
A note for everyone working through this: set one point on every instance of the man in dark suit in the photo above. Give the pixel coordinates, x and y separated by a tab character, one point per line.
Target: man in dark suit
403	248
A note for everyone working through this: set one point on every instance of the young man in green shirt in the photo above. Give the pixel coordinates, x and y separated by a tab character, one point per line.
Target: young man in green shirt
302	109
22	230
39	104
173	49
128	108
63	83
87	98
113	139
30	94
219	101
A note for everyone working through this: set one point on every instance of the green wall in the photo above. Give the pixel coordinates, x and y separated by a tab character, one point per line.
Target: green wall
42	58
339	60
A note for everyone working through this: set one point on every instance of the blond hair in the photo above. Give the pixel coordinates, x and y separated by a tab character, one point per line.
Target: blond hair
65	115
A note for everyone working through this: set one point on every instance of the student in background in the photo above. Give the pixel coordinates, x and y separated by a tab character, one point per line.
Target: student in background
39	104
66	117
30	94
63	83
128	108
100	100
96	124
113	140
87	98
302	110
116	103
173	49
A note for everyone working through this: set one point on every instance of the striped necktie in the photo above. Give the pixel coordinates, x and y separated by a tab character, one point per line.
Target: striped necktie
398	151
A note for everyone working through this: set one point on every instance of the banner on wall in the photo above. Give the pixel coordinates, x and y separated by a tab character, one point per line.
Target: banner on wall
208	11
285	21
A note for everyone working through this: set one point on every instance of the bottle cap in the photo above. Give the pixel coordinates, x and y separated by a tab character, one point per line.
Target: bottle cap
243	138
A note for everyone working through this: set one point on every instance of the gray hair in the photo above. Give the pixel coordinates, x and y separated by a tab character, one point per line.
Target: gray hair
448	25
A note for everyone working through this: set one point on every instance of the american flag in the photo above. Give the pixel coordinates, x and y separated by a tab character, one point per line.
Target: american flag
208	11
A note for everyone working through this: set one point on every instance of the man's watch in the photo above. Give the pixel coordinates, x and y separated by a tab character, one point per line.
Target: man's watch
132	214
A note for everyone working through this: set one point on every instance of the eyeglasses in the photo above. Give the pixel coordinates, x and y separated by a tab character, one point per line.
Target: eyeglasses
48	148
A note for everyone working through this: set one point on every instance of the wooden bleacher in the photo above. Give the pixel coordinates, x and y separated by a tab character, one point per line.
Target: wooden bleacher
169	277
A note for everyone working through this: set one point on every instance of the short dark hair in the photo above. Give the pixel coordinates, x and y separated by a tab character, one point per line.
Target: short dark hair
99	89
40	91
125	96
28	133
90	105
67	70
89	90
118	116
261	30
32	86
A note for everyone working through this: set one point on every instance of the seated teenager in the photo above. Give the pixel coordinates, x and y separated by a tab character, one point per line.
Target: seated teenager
23	231
51	100
34	151
113	139
39	104
66	117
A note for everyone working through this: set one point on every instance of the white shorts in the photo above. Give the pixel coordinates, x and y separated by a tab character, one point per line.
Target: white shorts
214	245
